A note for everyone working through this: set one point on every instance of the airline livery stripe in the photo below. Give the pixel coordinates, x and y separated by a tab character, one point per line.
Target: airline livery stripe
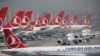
83	49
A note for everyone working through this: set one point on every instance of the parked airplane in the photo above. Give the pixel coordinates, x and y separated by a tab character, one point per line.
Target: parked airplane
3	13
35	26
16	47
74	20
87	33
58	18
65	20
26	19
65	23
15	22
39	24
84	24
86	20
45	21
56	22
85	36
72	24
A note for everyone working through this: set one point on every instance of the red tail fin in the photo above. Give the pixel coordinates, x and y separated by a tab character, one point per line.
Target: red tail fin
32	23
74	20
65	20
29	29
3	13
58	19
46	19
38	22
86	20
61	14
26	18
12	40
16	20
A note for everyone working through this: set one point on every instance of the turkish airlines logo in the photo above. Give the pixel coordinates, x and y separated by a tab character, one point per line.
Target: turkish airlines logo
15	22
25	20
1	22
45	21
72	22
64	21
12	41
37	23
86	21
56	20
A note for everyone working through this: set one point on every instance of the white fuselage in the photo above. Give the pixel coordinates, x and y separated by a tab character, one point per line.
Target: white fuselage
76	27
52	26
35	30
56	50
73	27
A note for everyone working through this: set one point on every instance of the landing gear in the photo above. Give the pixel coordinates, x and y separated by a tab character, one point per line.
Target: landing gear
75	41
93	36
86	40
80	41
59	41
65	42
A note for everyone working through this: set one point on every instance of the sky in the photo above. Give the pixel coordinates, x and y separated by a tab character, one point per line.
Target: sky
52	5
42	6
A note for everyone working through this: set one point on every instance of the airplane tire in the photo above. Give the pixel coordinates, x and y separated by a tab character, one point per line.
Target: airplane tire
59	41
86	40
66	43
80	41
92	37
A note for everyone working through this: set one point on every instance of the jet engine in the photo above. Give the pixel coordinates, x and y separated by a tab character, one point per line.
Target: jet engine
75	38
70	38
87	33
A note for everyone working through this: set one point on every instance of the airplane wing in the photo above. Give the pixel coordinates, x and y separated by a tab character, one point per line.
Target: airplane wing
9	52
97	33
93	35
65	54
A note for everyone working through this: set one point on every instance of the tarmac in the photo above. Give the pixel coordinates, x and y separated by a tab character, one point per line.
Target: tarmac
53	42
